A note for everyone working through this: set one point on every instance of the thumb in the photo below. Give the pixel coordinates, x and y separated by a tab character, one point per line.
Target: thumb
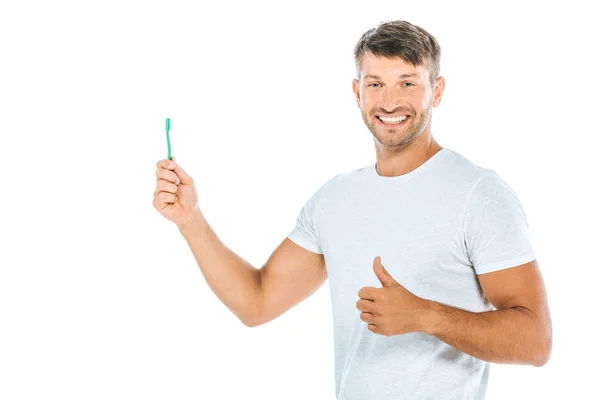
183	176
384	276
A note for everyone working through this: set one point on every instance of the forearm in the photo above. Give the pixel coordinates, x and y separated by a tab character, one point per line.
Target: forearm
508	336
233	280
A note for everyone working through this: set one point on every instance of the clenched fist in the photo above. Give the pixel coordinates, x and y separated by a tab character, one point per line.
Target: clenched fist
175	196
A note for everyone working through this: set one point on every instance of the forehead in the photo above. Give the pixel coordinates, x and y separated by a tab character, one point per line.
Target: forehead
390	67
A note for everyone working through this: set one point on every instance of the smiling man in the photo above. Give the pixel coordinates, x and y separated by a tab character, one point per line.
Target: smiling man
431	250
431	269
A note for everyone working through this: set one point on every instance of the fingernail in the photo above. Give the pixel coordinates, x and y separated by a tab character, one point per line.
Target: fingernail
170	165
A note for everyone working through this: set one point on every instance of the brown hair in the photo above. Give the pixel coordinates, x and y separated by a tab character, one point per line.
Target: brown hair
400	39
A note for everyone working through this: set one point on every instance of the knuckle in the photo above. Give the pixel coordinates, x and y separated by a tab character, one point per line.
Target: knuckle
166	186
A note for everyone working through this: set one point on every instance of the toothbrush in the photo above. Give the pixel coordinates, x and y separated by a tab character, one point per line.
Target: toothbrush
168	128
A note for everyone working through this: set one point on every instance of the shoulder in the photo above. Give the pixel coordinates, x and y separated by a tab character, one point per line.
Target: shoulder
345	180
453	173
473	177
459	167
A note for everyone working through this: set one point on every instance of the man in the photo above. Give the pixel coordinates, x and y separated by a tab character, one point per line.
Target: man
430	266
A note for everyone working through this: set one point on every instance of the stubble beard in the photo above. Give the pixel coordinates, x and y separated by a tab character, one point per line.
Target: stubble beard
393	137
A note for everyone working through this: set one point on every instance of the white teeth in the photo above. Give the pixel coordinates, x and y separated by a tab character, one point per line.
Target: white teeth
394	120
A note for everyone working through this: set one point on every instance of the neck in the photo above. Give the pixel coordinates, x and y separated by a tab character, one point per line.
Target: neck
400	162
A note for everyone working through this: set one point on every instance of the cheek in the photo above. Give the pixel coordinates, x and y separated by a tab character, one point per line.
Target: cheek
368	102
423	100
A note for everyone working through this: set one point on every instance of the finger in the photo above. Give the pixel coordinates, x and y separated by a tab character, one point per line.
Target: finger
368	293
185	178
365	305
367	317
163	199
166	198
373	328
166	164
167	175
165	186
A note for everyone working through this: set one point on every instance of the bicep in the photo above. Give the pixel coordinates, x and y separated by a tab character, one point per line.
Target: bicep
518	286
290	275
521	287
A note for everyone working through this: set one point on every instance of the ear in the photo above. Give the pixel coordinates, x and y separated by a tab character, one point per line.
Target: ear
438	91
356	90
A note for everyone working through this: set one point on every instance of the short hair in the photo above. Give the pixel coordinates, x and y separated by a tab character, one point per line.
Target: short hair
401	39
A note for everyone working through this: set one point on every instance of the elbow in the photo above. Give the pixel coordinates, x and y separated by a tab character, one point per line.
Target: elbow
547	341
543	359
544	356
252	320
253	313
543	343
250	323
253	310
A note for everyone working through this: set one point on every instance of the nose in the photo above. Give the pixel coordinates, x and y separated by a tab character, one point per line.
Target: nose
390	99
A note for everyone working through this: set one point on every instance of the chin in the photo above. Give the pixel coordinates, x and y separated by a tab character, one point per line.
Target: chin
394	139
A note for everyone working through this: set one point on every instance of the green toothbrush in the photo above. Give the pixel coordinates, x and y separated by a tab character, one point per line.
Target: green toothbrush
168	128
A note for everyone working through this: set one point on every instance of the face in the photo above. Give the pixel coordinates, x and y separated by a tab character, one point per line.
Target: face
395	99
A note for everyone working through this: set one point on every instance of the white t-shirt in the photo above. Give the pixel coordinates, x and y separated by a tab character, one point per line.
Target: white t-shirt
435	228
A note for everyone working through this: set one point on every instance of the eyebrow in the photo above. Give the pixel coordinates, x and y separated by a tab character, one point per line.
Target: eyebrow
402	76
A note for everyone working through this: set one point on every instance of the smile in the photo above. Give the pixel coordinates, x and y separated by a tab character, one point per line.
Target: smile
394	121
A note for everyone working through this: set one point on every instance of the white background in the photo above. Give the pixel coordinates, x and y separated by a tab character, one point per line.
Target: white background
100	297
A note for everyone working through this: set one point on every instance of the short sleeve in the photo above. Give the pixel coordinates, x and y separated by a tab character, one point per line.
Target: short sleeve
495	226
305	232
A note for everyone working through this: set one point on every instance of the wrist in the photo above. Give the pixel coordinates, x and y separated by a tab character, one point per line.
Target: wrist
432	316
192	219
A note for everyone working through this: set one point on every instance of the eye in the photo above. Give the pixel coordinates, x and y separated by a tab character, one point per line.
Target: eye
372	83
409	83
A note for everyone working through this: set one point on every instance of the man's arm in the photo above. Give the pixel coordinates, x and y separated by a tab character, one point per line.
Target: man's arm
290	275
231	278
518	332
